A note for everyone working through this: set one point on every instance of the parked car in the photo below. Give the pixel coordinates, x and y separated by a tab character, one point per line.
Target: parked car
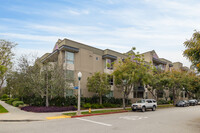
144	104
182	103
193	102
186	102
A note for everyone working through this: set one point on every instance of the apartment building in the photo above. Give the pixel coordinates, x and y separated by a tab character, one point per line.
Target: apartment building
159	63
76	57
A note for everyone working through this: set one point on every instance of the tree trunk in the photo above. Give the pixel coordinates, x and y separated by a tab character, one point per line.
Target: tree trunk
47	92
124	106
155	97
174	96
124	102
100	99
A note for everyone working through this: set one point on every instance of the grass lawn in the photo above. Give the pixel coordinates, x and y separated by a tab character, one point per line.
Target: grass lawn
94	112
165	106
2	109
107	111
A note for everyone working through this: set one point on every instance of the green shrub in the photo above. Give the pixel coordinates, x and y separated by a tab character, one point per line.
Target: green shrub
109	105
159	102
87	105
101	106
170	102
96	106
16	99
4	97
10	101
34	100
17	103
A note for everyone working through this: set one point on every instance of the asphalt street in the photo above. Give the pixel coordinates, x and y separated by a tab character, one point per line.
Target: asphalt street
170	120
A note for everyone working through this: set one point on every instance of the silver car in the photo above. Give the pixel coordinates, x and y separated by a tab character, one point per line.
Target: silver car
144	104
193	102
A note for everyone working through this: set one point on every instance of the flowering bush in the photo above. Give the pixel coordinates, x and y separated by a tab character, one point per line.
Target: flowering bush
48	109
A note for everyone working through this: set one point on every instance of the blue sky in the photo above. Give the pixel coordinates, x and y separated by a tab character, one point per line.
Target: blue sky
160	25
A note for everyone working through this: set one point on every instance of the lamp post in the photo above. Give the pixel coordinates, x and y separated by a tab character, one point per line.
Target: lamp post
183	93
124	83
79	93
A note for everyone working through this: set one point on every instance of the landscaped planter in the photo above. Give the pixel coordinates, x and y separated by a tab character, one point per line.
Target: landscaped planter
48	109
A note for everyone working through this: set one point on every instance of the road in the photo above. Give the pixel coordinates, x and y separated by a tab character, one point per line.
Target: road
171	120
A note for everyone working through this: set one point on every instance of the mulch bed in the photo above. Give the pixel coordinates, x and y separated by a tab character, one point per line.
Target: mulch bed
48	109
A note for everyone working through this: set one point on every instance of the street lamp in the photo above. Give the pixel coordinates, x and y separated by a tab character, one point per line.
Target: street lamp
183	93
79	93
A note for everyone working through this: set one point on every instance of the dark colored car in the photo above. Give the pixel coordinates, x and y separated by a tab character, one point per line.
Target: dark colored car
193	102
182	103
186	102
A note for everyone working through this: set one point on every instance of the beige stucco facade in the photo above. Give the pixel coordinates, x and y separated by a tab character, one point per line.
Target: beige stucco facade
88	60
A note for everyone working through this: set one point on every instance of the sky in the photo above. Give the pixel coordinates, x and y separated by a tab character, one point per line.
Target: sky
160	25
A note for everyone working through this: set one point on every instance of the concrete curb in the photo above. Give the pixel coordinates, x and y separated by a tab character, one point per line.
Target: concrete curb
99	114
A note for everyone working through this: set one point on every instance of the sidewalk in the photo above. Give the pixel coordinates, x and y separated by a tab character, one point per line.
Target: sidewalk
15	114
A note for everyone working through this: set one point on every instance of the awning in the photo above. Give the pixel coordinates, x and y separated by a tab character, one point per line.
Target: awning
108	56
51	57
69	48
157	61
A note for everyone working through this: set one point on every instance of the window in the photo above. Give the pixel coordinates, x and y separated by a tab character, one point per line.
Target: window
69	57
69	75
160	93
149	101
110	94
110	80
110	64
140	101
138	94
97	58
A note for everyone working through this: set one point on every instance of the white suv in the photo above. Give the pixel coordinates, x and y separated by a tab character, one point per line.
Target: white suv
144	104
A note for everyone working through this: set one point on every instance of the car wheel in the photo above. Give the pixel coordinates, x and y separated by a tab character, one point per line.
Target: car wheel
184	105
143	109
133	109
154	108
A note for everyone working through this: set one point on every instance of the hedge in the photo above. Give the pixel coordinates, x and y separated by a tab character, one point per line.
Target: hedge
11	100
71	101
17	103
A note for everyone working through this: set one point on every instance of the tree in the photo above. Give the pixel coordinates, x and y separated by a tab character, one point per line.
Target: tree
154	84
191	83
44	81
174	81
131	73
6	56
192	51
99	83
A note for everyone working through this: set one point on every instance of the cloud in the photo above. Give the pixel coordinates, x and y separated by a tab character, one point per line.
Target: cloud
31	37
162	25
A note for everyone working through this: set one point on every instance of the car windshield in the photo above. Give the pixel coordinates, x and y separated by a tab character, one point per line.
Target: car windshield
180	101
141	101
